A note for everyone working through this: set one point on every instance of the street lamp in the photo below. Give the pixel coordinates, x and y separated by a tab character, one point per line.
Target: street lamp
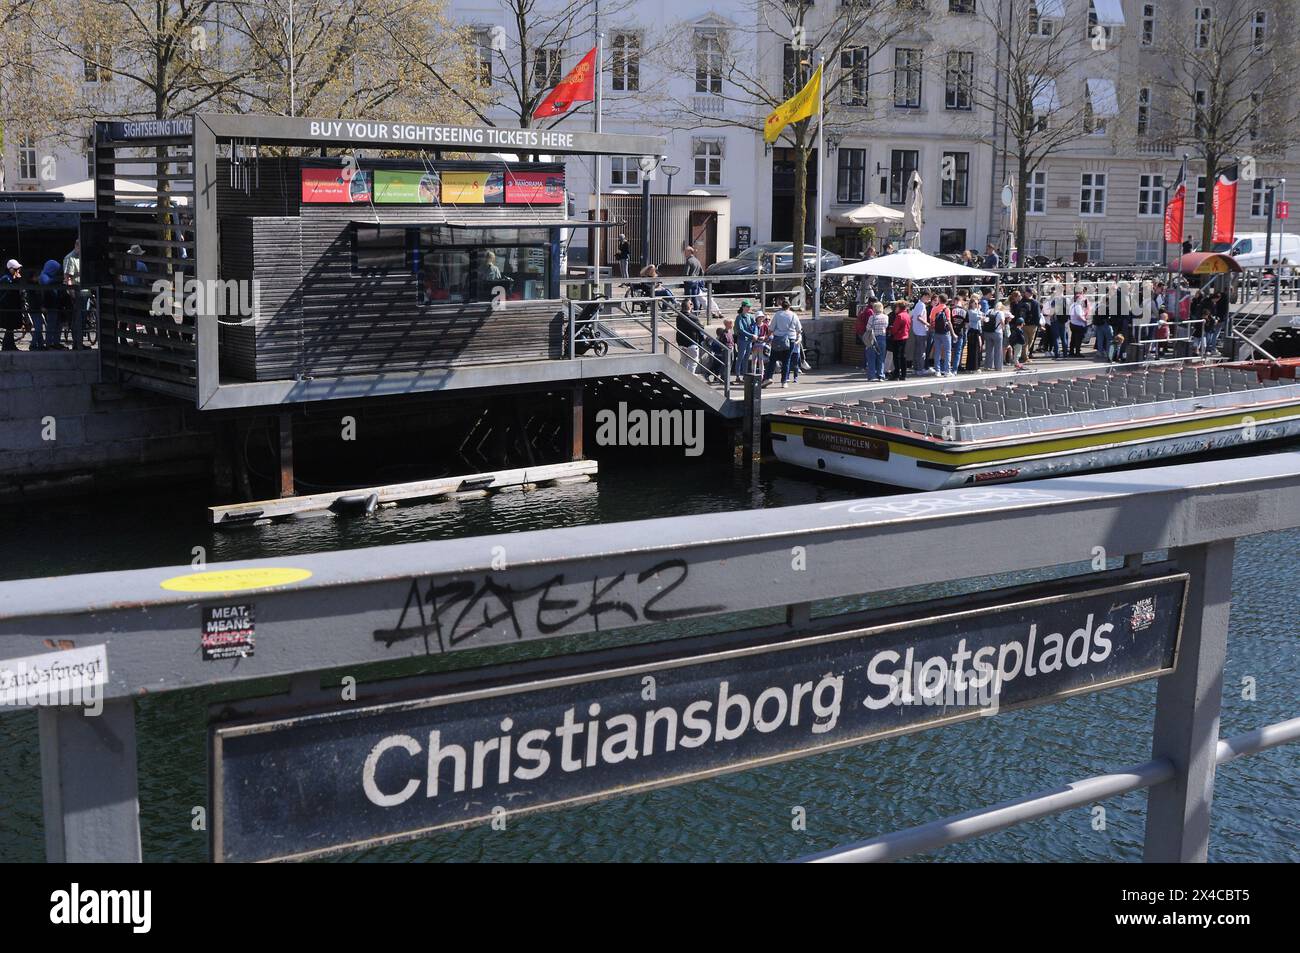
670	171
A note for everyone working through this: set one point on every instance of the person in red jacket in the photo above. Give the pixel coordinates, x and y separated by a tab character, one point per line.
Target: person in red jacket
900	329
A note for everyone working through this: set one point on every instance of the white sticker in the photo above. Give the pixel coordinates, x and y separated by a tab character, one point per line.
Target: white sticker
69	677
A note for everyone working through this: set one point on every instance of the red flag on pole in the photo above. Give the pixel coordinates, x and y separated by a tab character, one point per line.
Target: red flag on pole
1174	210
577	87
1225	205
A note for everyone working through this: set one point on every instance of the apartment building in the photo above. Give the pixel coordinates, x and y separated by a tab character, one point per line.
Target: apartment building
925	90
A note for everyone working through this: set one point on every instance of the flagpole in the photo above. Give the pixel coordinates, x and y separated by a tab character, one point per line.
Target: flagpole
821	183
597	232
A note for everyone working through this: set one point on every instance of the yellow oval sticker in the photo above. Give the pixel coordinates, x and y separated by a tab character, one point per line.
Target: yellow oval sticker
235	580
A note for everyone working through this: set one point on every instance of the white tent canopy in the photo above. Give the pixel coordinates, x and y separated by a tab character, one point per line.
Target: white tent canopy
84	191
869	214
909	264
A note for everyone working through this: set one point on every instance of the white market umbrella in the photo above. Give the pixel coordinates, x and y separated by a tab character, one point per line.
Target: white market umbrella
917	207
910	264
869	214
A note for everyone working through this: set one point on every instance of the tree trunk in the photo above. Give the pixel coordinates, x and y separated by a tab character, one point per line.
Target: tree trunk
1207	223
800	194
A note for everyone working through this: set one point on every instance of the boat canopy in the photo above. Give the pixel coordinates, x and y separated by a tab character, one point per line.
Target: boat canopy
1204	263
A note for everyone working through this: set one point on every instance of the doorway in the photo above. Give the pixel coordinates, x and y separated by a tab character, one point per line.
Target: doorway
703	236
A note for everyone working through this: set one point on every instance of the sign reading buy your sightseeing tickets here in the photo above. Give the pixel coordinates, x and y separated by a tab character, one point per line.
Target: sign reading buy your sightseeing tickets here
363	775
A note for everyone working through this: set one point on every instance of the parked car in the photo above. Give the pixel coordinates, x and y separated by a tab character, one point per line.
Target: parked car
746	264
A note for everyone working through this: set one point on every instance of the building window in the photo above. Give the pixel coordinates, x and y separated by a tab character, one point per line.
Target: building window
1259	199
1201	34
96	62
708	161
624	170
546	67
27	158
708	62
1095	249
1258	31
902	163
626	65
1092	193
455	264
959	80
1149	251
852	183
1038	24
1036	197
1148	24
1200	196
955	175
1252	121
853	82
482	62
1198	114
907	78
1144	111
961	6
1092	23
790	70
1151	194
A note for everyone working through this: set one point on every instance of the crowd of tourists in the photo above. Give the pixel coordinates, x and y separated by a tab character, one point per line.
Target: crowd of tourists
43	306
976	331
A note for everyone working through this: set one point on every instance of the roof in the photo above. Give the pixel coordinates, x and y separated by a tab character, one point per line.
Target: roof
1204	263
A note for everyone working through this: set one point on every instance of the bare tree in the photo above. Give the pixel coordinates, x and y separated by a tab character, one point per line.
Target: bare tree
1034	82
731	68
399	58
523	58
1228	87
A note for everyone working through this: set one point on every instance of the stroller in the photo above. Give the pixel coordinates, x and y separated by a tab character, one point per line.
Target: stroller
586	331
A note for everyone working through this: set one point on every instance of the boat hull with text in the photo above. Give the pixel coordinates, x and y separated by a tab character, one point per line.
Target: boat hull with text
964	435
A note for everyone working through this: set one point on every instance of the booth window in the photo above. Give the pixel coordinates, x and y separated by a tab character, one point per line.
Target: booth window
459	265
378	248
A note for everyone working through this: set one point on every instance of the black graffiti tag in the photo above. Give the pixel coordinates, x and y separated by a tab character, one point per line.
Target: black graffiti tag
459	611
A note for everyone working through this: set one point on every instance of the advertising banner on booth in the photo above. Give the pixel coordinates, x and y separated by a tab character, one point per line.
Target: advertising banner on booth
473	188
534	188
341	184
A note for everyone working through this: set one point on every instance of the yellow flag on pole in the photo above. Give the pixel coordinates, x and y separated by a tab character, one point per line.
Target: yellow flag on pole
799	106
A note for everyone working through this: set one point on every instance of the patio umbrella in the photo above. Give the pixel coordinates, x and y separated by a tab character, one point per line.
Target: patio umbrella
917	207
909	264
869	214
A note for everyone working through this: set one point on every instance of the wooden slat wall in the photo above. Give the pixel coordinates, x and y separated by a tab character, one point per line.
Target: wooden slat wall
318	319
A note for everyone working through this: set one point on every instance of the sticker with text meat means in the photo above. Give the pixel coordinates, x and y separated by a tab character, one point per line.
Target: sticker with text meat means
227	632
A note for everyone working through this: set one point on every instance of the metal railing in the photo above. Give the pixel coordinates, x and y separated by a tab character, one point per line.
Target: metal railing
342	610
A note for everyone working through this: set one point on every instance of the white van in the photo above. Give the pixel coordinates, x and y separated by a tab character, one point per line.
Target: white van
1248	249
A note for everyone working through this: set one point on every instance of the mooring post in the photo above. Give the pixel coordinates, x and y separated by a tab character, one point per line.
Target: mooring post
752	421
286	455
1187	712
575	424
88	784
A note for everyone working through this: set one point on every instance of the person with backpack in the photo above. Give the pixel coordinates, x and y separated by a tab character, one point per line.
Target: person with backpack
877	330
992	329
959	327
900	329
785	332
941	335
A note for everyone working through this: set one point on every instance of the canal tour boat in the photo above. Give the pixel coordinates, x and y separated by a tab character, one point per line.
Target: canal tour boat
1040	427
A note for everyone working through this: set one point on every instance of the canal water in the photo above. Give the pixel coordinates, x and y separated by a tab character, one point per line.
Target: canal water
844	795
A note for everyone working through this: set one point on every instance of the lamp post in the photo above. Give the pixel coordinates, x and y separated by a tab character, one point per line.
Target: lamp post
670	171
